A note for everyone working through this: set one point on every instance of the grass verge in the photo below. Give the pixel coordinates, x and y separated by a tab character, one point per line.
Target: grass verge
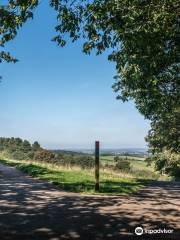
78	180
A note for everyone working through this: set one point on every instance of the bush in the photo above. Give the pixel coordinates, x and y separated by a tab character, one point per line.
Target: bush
116	159
18	155
123	165
17	148
144	174
44	155
81	161
168	163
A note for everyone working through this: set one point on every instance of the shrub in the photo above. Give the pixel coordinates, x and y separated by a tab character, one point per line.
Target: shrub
168	163
79	160
116	159
17	148
18	155
44	155
123	165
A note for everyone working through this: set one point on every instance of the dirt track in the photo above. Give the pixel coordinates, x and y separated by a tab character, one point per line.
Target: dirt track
34	210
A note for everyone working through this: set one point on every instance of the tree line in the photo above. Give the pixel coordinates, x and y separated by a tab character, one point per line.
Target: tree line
18	149
144	39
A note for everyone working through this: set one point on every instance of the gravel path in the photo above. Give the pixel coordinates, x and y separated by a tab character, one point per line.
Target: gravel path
31	209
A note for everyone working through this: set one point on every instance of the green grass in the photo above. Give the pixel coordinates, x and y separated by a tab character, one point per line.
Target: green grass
136	162
78	180
110	159
139	164
139	168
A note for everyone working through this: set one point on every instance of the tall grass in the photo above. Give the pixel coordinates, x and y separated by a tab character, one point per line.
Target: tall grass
80	180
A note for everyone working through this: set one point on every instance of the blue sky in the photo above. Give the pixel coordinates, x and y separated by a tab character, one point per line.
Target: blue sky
60	96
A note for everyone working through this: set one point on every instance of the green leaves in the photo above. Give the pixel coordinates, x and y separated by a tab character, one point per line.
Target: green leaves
144	37
12	16
168	163
7	57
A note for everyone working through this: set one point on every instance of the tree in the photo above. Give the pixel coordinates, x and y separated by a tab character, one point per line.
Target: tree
44	155
12	16
144	38
16	148
26	146
36	146
164	133
168	163
145	42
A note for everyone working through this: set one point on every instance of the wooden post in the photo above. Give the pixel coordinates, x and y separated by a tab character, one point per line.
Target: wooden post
97	166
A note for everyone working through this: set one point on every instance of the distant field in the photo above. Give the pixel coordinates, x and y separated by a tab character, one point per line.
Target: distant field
137	163
111	158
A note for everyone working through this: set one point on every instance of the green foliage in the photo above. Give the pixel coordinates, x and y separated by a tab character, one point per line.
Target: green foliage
164	133
149	161
79	180
146	54
36	146
13	14
26	147
76	160
67	160
32	169
19	155
123	164
145	174
144	38
44	155
169	163
16	148
116	159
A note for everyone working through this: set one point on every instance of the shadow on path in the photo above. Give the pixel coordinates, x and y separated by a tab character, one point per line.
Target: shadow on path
34	210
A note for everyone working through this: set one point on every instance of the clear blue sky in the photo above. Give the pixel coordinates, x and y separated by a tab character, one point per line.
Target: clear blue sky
60	96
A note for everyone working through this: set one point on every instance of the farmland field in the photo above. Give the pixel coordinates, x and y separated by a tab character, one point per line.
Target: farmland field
137	162
121	156
138	165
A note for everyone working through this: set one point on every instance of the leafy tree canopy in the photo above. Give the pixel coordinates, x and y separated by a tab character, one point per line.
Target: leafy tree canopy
169	163
16	148
36	146
12	16
144	36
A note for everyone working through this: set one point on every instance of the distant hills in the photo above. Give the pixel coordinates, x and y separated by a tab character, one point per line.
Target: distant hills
111	151
69	152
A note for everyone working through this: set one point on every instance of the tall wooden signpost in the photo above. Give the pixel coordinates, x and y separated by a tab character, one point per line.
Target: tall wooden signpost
97	166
